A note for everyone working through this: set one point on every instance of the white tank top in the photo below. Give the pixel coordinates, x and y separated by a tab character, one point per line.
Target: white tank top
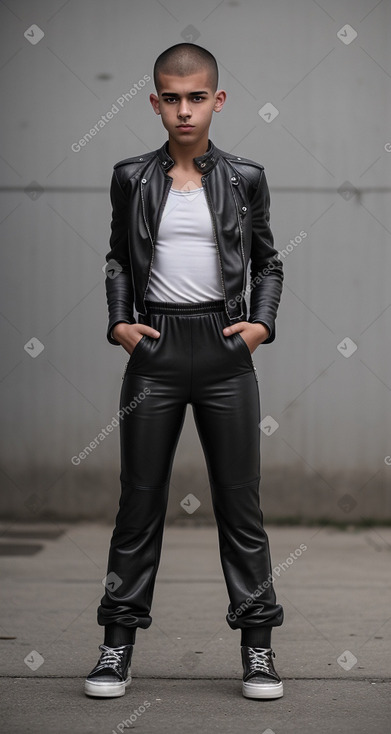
185	267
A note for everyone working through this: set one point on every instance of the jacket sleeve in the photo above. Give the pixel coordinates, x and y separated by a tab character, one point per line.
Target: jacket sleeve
266	271
118	283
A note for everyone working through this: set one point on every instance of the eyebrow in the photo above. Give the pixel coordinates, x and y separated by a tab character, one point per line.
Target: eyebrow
174	94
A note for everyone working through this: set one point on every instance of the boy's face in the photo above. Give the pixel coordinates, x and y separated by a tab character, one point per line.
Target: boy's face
187	100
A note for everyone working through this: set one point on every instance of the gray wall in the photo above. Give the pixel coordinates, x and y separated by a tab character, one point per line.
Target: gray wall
327	159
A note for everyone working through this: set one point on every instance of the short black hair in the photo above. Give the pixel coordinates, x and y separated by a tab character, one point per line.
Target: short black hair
183	59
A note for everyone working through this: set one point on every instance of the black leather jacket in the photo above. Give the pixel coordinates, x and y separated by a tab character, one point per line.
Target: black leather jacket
238	198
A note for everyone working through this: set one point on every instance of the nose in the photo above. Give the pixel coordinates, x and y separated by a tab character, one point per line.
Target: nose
184	110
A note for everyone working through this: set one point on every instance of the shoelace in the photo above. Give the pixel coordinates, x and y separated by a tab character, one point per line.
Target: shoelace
110	657
260	659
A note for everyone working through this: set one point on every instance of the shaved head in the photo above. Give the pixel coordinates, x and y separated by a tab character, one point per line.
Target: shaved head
185	59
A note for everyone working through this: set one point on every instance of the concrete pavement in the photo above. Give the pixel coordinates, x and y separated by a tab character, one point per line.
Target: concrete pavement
333	650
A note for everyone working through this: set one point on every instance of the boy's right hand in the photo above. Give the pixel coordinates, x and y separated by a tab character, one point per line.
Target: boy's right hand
129	334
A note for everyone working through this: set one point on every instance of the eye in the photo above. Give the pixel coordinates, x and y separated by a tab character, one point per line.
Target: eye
175	99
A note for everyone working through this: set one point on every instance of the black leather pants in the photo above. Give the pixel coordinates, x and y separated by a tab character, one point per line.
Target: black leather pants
191	362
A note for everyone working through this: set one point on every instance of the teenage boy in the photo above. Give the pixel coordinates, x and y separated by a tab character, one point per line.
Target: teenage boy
187	219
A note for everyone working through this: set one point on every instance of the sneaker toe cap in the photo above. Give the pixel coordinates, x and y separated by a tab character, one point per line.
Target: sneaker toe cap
103	679
259	678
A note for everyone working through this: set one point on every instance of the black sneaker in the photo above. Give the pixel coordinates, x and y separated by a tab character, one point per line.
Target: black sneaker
260	679
110	676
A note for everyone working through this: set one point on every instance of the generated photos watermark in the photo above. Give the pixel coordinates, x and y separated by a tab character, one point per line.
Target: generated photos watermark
114	109
232	616
137	399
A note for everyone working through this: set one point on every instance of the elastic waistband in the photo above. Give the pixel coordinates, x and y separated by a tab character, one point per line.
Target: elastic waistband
185	308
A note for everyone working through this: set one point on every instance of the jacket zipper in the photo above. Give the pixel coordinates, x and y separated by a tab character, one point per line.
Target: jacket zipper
244	269
165	195
215	239
241	239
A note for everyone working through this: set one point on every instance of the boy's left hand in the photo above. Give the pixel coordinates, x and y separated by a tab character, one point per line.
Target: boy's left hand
253	334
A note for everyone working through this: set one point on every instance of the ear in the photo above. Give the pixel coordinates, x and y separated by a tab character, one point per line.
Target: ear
154	100
220	97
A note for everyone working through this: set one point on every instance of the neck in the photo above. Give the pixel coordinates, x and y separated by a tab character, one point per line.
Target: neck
183	155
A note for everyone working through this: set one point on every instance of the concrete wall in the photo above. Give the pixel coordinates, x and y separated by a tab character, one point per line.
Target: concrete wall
327	156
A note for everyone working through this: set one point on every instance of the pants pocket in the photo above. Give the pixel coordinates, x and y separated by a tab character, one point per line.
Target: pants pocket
249	356
242	342
131	356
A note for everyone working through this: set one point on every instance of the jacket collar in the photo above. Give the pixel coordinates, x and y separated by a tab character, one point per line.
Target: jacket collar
204	162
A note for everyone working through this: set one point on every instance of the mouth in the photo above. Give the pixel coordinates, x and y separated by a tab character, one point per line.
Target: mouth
185	127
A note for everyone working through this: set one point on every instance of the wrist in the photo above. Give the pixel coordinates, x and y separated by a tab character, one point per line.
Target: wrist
262	330
119	329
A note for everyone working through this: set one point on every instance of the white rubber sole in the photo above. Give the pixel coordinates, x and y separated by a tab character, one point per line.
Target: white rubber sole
266	690
106	690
